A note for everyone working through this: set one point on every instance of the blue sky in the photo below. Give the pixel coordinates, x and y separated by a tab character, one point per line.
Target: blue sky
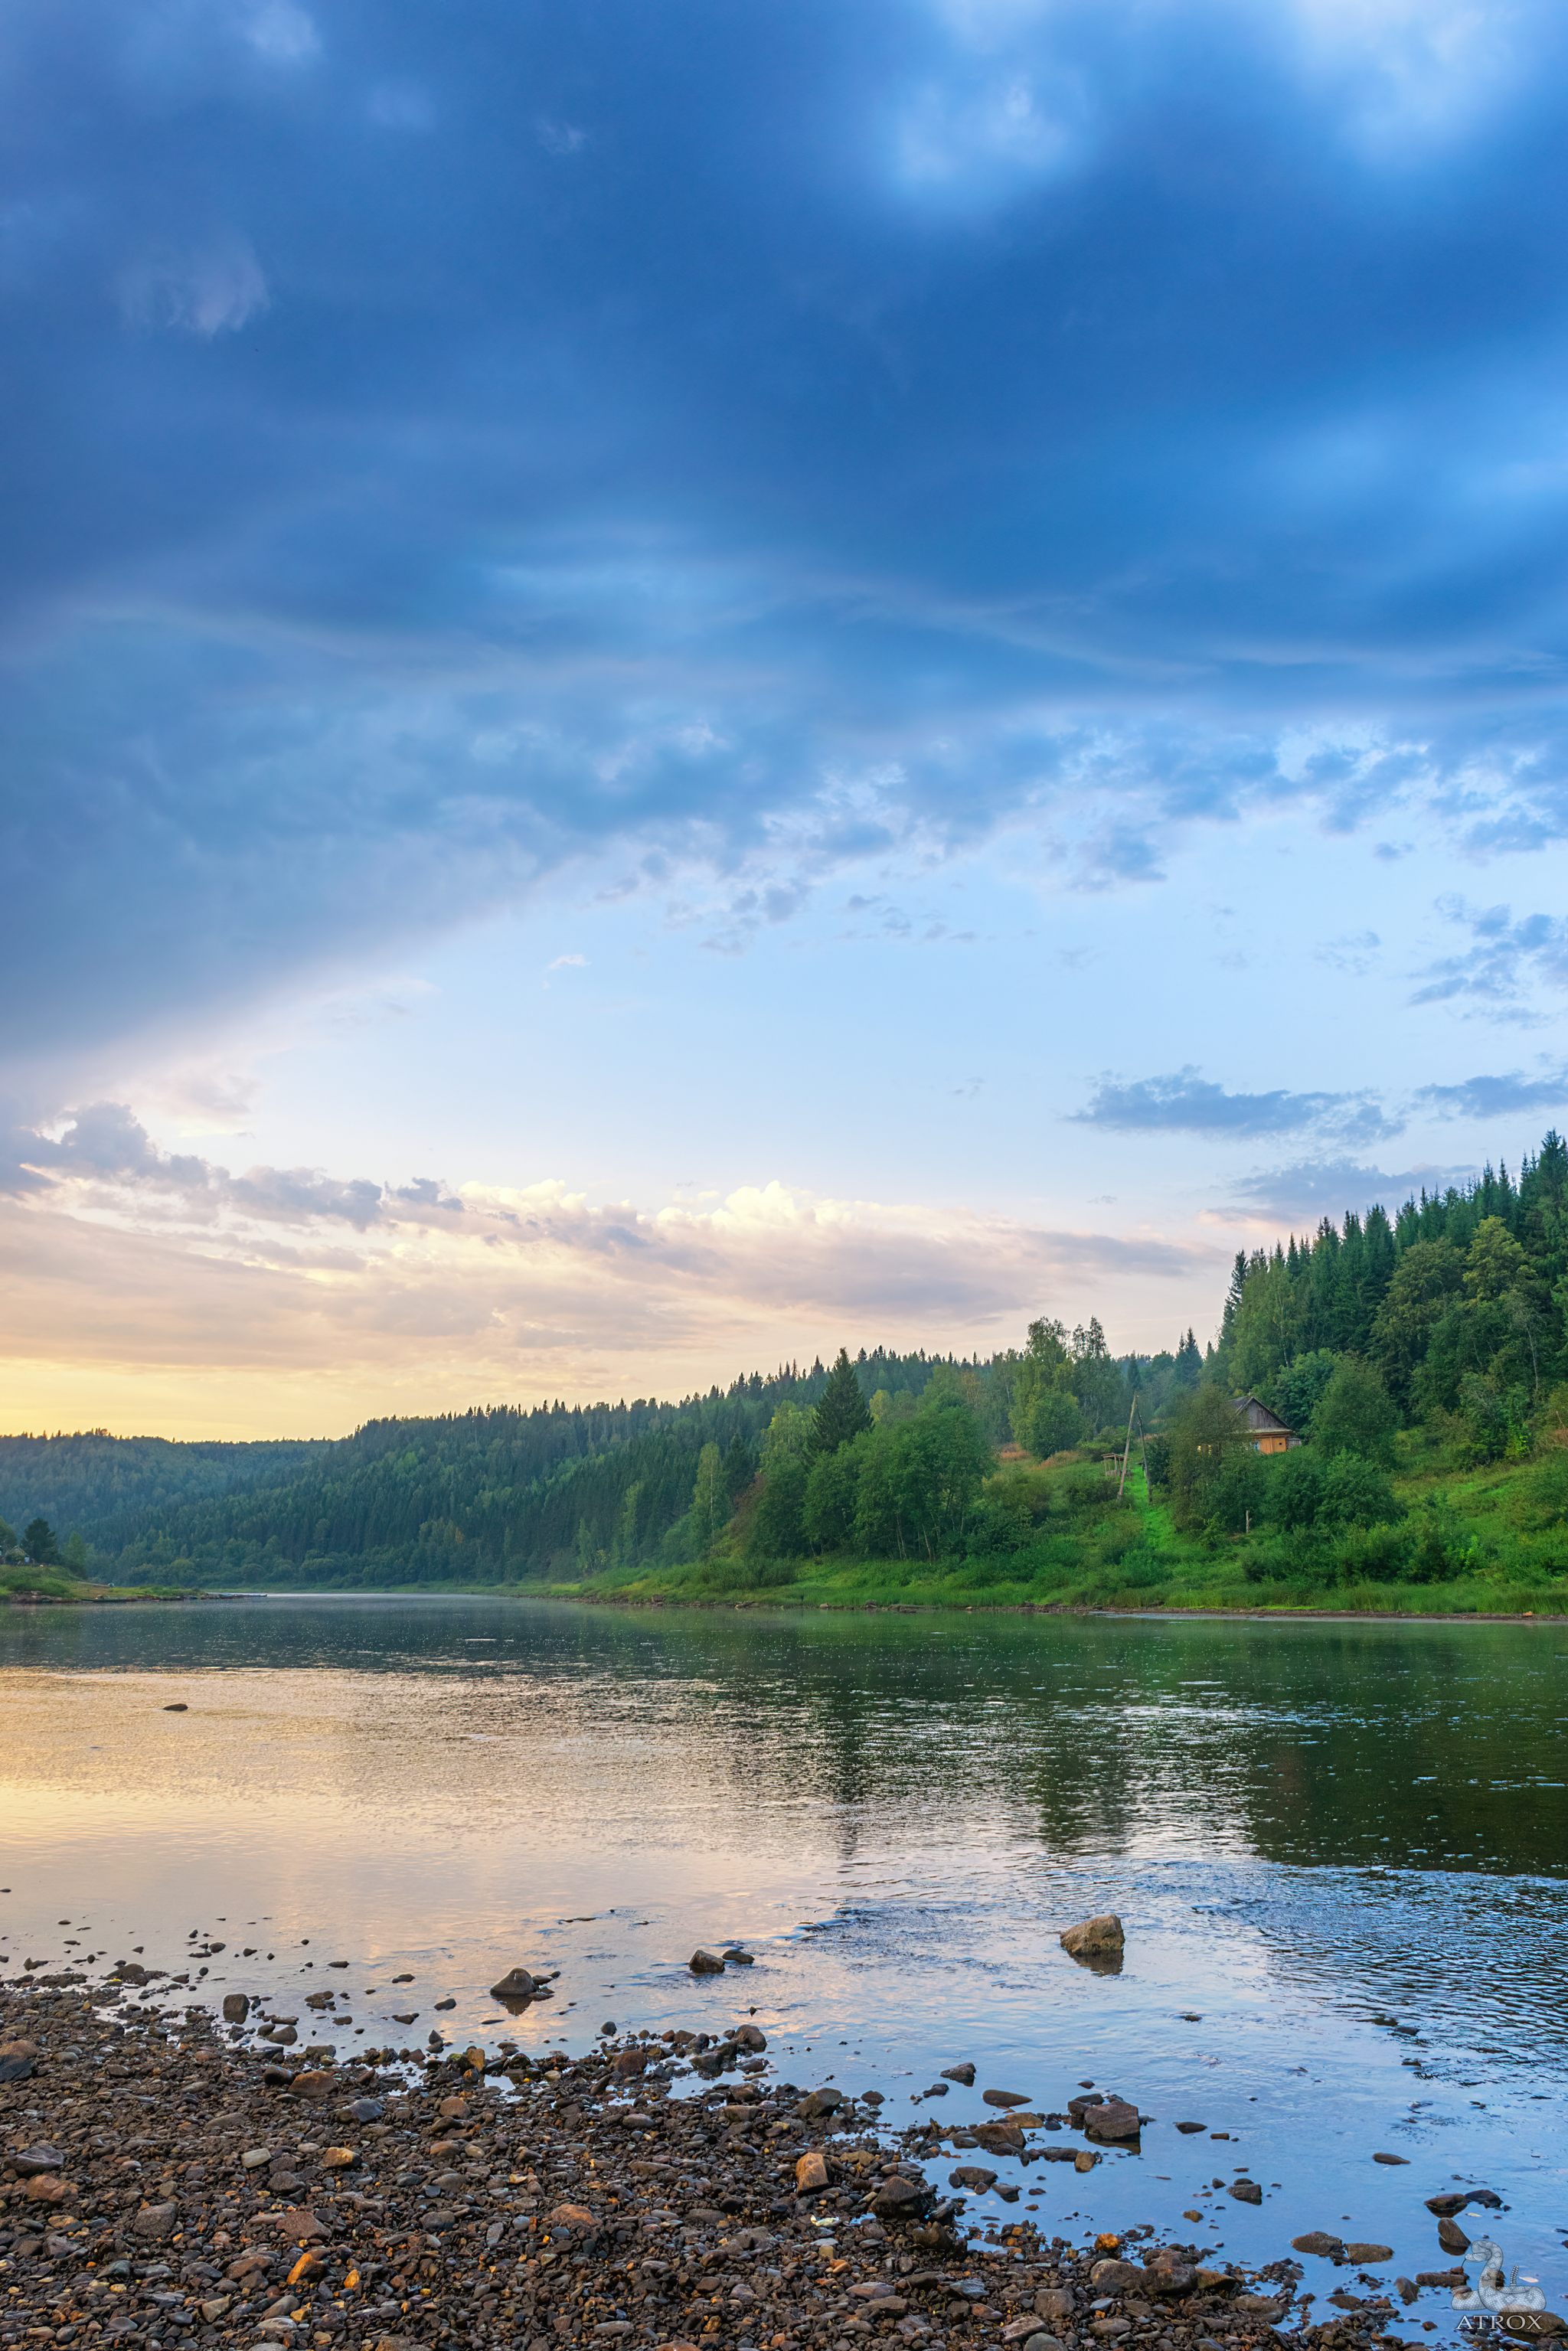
681	682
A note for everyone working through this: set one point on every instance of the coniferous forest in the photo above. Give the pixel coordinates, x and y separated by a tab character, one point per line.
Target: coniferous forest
1422	1359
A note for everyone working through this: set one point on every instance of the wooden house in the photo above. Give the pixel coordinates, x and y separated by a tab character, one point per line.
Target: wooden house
1268	1432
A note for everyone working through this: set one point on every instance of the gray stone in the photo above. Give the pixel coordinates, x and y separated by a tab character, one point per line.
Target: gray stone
964	2073
1111	2120
1321	2242
236	2008
706	1964
972	2175
516	1984
1245	2191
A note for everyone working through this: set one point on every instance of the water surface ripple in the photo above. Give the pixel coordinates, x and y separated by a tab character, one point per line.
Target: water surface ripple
1339	1851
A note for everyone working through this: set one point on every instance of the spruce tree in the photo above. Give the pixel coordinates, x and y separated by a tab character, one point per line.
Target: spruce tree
841	1412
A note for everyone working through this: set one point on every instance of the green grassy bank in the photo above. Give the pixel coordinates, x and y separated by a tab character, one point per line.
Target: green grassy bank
1465	1542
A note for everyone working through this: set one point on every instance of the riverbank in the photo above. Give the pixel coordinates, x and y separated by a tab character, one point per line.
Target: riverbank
168	2180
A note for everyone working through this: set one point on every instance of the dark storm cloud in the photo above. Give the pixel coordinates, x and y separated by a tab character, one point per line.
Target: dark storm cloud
442	440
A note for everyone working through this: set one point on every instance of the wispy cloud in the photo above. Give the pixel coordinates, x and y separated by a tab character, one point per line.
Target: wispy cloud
1496	1097
1504	957
1303	1192
1187	1102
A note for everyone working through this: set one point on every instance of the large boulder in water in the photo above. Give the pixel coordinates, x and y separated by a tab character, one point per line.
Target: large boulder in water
1094	1939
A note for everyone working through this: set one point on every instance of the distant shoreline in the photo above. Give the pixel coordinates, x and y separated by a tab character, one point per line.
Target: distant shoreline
753	1603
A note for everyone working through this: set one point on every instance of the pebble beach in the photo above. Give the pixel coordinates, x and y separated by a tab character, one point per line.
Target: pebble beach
172	2178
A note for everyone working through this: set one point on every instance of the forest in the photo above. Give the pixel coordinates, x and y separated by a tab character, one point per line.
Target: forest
1422	1359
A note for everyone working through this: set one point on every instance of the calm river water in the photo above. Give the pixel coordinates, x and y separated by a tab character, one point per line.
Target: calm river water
1340	1852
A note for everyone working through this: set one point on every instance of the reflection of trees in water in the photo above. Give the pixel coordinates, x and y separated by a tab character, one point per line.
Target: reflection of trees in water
1302	1744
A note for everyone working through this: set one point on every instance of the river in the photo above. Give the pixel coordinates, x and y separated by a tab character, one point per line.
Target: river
1338	1849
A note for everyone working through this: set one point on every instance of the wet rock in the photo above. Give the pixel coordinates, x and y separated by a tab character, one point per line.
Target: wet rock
1452	2238
365	2110
1113	2120
898	2199
178	1706
1440	2277
1245	2191
1455	2200
964	2073
811	2173
1004	2099
705	1963
627	2063
1170	2277
16	2069
1408	2291
1391	2159
972	2175
1187	2129
1115	2276
1084	2161
155	2220
999	2138
751	2036
737	1957
236	2008
1361	2254
316	2087
516	1984
1099	1937
1321	2242
39	2157
826	2101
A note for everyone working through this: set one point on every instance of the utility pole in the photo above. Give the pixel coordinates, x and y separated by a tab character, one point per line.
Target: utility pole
1127	1448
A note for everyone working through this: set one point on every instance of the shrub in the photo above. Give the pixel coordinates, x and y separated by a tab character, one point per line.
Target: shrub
1376	1554
1444	1545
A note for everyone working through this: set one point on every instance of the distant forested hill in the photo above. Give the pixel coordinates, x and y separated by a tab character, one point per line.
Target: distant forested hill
485	1495
95	1486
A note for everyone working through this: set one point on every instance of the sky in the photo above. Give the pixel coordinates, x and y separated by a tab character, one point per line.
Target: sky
680	684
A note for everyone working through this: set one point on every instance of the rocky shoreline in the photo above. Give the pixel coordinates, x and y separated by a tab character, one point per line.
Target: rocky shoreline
166	2180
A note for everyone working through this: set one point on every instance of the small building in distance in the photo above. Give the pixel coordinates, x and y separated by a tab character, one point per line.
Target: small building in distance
1269	1434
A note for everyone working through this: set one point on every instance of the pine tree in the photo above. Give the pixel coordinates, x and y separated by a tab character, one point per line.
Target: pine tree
841	1412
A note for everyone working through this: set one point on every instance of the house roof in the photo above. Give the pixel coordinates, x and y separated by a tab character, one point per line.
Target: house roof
1260	1416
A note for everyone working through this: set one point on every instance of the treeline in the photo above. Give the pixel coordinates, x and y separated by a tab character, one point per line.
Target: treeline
95	1484
1459	1305
490	1495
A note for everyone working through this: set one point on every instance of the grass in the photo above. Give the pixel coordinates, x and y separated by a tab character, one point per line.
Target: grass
1504	1528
